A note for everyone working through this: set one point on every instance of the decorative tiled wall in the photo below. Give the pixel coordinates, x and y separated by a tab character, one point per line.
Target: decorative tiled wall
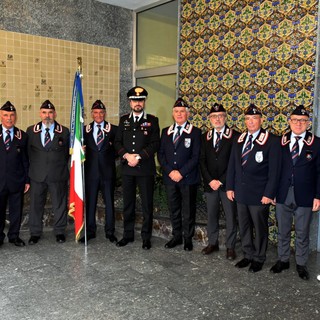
33	69
238	52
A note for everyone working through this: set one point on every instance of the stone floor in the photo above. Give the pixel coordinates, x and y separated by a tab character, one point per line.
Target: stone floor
102	281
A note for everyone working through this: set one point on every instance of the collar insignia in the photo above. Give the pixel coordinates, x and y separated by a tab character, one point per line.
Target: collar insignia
187	129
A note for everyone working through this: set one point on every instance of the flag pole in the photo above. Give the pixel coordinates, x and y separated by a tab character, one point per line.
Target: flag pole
77	152
82	169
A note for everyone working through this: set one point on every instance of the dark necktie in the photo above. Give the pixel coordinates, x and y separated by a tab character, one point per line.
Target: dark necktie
99	136
47	138
218	140
295	150
7	140
136	119
246	151
176	137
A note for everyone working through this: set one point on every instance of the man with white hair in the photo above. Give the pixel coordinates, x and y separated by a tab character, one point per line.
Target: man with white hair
14	180
298	194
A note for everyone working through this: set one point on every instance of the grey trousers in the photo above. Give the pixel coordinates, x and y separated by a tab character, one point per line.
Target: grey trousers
213	210
38	197
302	216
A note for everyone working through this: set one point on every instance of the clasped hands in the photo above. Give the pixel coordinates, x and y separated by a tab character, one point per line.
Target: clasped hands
175	176
132	159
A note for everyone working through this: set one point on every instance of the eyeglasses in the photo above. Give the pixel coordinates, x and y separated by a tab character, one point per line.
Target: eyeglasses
216	116
302	121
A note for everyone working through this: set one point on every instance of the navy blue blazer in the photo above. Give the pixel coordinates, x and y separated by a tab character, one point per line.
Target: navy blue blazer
100	163
214	164
14	163
51	164
260	175
306	171
184	158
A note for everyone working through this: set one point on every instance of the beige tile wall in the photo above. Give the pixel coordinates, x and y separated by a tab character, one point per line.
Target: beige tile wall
33	69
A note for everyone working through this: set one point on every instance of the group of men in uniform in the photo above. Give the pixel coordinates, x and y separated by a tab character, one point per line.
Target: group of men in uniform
35	160
250	171
245	173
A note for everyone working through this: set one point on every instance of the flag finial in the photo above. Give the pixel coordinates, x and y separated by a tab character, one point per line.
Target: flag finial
79	64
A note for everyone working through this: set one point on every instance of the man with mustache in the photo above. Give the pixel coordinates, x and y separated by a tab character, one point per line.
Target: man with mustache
48	148
214	157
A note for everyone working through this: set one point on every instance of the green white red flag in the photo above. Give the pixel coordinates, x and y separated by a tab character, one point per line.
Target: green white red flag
76	196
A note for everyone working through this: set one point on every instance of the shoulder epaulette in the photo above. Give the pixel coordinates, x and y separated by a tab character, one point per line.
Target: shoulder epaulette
242	137
227	133
170	130
17	133
309	138
262	137
88	128
57	127
209	135
285	139
188	128
37	127
107	127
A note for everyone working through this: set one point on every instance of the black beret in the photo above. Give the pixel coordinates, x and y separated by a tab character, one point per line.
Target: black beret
300	111
180	103
217	108
137	93
98	104
47	105
8	106
252	109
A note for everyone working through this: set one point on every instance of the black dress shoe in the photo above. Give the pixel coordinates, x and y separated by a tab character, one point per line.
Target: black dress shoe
173	243
60	238
188	246
146	244
89	237
279	266
34	240
17	242
303	272
255	266
243	263
124	241
112	238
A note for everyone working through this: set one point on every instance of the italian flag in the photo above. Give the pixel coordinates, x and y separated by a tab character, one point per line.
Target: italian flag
76	203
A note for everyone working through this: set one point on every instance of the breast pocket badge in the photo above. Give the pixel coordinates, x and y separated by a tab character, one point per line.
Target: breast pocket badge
187	142
309	155
259	156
